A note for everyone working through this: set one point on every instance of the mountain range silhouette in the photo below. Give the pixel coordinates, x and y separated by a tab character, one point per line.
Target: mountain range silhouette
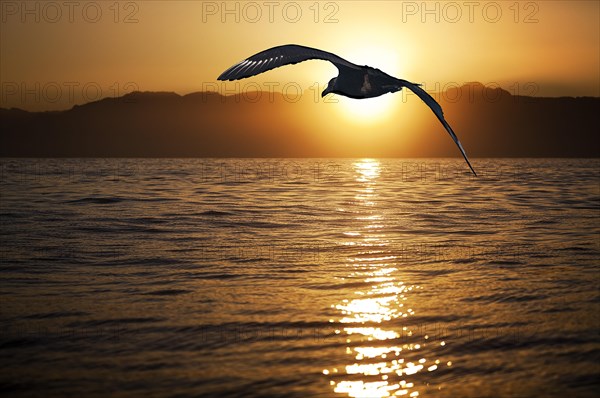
490	122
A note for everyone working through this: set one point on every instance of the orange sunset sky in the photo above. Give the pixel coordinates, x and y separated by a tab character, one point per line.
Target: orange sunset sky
55	55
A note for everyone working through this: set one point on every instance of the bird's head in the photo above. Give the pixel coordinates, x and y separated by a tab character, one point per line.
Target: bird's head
329	88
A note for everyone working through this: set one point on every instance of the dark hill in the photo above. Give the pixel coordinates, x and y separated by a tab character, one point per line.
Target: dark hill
489	121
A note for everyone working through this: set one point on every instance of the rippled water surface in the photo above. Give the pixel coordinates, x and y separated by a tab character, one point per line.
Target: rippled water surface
291	277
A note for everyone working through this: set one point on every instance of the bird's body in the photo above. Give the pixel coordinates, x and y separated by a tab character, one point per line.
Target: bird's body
367	82
353	81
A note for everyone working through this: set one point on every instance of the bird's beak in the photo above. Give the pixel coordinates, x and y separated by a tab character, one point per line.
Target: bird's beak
325	92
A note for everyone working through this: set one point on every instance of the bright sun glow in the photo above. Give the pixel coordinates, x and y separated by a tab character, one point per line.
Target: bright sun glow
367	110
378	108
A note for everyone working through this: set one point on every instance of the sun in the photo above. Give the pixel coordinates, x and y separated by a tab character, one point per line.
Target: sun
376	109
366	110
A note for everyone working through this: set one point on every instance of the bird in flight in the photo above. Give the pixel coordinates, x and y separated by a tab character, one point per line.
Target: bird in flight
353	81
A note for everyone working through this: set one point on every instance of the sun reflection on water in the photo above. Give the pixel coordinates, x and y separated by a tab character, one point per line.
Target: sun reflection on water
380	359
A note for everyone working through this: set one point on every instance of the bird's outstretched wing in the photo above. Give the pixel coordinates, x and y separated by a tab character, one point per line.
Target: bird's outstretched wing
437	109
280	56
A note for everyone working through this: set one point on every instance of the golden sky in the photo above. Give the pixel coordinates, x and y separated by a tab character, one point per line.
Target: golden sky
56	54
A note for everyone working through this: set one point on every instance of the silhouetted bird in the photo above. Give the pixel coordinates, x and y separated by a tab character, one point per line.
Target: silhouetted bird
353	81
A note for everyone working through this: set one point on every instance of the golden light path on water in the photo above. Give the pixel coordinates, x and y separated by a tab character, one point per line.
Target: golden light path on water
381	361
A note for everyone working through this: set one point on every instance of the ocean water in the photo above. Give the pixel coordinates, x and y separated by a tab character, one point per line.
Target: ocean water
299	277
